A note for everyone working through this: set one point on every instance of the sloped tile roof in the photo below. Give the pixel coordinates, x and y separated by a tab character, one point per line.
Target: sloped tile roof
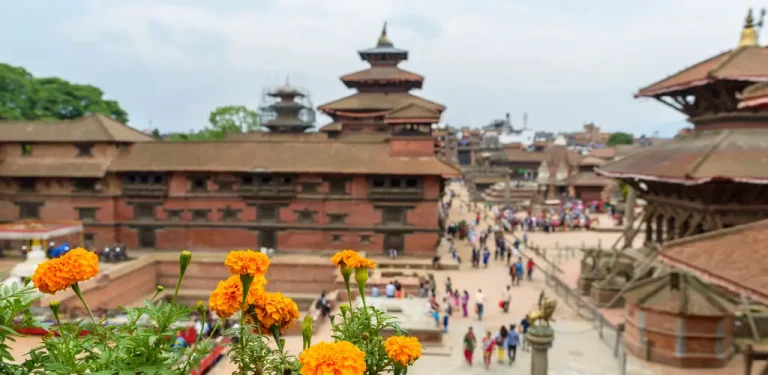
382	73
53	167
678	293
738	154
93	128
277	157
733	258
749	63
378	101
413	110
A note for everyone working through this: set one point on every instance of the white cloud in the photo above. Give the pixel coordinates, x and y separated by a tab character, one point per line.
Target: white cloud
563	62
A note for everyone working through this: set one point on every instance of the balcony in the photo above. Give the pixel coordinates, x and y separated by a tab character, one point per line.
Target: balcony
273	192
145	190
388	193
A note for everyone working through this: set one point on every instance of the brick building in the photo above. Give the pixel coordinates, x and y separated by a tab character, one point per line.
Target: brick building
371	190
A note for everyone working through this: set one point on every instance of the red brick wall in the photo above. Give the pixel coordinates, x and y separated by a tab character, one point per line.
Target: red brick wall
115	217
412	146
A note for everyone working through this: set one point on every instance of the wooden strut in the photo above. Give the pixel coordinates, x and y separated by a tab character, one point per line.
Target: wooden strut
645	264
750	319
623	233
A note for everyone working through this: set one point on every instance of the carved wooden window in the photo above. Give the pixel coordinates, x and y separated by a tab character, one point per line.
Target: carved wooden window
393	215
379	182
173	215
267	214
85	184
200	215
364	240
144	211
337	186
84	150
86	213
229	214
226	185
198	184
29	210
309	187
88	240
411	183
144	179
305	216
337	218
337	238
27	185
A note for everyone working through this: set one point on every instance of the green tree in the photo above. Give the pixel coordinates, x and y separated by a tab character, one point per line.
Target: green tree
24	97
621	138
224	120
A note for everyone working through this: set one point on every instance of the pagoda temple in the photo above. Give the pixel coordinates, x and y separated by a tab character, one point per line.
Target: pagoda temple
707	205
288	115
715	176
383	102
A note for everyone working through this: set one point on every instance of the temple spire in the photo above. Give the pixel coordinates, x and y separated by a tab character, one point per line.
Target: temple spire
383	39
749	33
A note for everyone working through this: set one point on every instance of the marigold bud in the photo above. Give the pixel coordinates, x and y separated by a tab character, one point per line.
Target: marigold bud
184	260
366	336
54	305
306	331
200	307
27	280
160	288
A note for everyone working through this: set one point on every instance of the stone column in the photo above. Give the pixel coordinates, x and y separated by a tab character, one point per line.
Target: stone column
540	338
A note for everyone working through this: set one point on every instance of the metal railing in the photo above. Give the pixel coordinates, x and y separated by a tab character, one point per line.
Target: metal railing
609	333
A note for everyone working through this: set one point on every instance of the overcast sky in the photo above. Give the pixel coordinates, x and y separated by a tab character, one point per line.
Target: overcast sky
562	62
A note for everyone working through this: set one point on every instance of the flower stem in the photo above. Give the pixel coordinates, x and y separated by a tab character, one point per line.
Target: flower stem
246	280
76	288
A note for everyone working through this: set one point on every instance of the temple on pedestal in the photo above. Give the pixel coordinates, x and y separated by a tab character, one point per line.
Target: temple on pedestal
382	102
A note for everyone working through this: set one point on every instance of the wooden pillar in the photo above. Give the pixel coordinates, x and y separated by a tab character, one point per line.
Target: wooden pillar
629	217
670	228
649	230
684	226
660	229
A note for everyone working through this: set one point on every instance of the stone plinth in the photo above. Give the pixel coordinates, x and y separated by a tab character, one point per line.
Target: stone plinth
410	315
602	293
540	338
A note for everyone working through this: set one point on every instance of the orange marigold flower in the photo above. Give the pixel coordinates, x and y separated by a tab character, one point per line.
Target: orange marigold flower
339	358
227	298
362	263
81	264
58	274
345	258
50	277
275	309
247	262
403	350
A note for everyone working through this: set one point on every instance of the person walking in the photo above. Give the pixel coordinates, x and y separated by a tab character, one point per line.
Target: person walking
513	338
448	286
524	324
456	296
506	298
501	339
469	345
519	270
447	311
486	256
488	344
480	303
465	303
513	273
529	266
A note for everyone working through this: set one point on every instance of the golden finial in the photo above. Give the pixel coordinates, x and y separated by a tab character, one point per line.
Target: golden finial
749	34
383	39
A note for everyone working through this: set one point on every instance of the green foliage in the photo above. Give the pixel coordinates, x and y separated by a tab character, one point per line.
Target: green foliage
15	302
362	327
223	121
24	97
621	138
624	189
253	354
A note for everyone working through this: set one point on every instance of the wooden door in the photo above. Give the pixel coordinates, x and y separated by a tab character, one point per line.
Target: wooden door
394	241
147	238
267	238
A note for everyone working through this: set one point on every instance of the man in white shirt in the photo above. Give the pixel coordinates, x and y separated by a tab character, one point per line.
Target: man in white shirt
390	290
506	296
480	301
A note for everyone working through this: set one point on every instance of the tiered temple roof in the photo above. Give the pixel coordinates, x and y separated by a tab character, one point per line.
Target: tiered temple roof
382	96
287	111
